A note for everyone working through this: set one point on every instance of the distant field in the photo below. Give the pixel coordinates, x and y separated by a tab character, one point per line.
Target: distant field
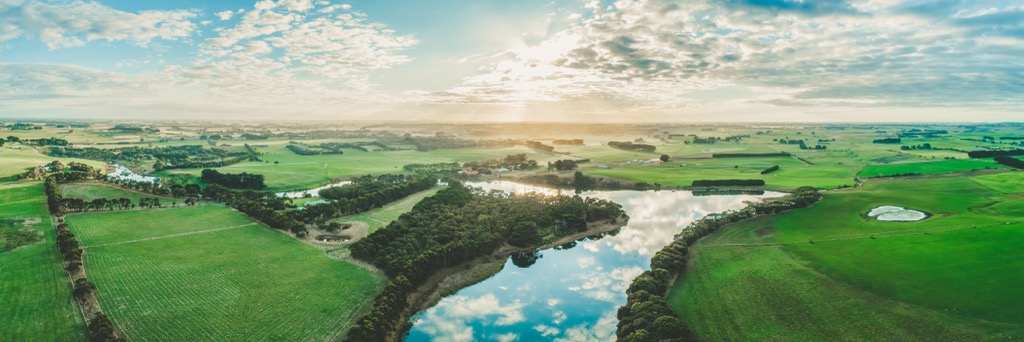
35	296
380	217
792	173
208	273
953	283
926	168
91	191
294	172
14	163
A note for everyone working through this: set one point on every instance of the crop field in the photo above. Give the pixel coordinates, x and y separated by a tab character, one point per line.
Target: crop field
380	217
830	271
91	191
945	166
220	277
35	296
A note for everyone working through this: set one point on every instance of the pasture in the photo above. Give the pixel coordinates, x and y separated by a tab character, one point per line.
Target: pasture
91	191
381	217
927	168
211	273
35	296
829	271
16	162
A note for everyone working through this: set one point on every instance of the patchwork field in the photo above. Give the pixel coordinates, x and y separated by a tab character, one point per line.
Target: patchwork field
35	296
210	273
288	171
16	162
829	271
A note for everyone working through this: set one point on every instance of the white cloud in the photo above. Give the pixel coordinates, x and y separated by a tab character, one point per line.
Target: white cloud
225	15
602	330
71	24
448	319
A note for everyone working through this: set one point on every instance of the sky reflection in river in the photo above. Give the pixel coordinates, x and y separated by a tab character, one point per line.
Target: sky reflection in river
569	294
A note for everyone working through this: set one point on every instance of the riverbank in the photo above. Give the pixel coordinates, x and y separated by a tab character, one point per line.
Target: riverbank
450	280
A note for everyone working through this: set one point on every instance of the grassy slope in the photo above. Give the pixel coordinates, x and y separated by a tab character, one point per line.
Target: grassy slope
945	166
380	217
956	283
16	162
236	284
35	296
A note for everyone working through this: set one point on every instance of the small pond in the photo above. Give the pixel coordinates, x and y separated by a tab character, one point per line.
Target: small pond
896	214
315	192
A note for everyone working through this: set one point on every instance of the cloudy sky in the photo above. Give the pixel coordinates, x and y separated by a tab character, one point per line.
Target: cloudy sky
485	60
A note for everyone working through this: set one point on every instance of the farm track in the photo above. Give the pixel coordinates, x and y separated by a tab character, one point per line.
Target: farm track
170	236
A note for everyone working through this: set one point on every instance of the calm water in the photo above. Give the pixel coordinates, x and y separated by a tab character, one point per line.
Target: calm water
570	293
314	192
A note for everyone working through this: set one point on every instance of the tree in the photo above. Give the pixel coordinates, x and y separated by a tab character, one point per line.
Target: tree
664	158
524	234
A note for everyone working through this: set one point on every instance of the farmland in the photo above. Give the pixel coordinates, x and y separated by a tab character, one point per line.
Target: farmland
220	276
828	270
34	293
91	191
380	217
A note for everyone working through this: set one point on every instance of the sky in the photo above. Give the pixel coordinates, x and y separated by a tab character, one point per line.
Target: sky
523	60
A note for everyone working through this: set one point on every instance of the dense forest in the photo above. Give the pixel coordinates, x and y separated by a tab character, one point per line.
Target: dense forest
457	225
992	154
646	315
1011	162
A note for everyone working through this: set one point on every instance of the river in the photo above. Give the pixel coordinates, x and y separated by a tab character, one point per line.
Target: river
571	293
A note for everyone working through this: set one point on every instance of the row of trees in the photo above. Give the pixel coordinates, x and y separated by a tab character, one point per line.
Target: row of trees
435	168
750	155
511	162
993	154
242	180
770	170
1011	162
647	315
629	146
887	141
539	146
570	142
457	225
563	165
728	182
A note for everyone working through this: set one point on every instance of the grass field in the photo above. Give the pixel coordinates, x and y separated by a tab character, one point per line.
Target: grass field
790	175
380	217
926	168
14	163
939	278
35	297
295	172
210	273
91	191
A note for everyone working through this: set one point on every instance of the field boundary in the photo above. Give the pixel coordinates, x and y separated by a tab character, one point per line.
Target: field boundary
170	236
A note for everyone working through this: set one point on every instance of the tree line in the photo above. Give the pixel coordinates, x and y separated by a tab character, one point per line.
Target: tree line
647	315
770	170
456	225
749	155
728	182
887	141
629	146
1011	162
993	154
242	180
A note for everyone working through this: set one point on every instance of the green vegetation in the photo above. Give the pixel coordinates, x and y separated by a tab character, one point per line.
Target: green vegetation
381	217
927	168
91	191
34	293
220	277
829	271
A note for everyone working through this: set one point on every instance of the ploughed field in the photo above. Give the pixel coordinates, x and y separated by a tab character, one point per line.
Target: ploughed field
211	273
831	272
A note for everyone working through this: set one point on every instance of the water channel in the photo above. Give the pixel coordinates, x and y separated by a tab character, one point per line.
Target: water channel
570	293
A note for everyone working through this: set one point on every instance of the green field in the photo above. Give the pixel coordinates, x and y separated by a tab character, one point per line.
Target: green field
35	296
91	191
380	217
940	278
295	172
926	168
210	273
14	163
